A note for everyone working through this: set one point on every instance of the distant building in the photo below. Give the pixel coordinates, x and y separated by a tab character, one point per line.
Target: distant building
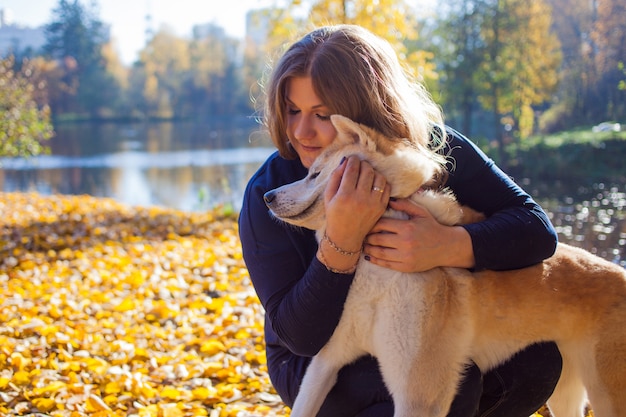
6	17
208	30
257	25
217	33
16	38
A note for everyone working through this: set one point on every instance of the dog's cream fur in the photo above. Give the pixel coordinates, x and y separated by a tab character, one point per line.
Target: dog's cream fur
425	327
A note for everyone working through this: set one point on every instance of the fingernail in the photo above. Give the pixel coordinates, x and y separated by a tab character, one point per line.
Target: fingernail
367	258
342	161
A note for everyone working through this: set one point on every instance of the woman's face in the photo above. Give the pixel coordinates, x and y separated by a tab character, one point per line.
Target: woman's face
309	128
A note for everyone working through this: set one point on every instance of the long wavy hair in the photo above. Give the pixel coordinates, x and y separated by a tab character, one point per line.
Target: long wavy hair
356	74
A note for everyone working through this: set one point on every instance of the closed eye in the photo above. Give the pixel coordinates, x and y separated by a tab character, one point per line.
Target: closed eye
314	175
322	117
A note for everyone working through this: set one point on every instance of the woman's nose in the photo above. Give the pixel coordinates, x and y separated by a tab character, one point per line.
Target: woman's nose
303	129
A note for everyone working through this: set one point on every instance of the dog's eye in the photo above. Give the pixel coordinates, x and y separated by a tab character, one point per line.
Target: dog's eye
314	175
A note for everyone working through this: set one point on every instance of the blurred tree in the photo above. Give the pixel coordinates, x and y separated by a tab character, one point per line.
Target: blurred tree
116	76
393	20
593	39
537	52
23	124
519	70
609	41
214	85
163	67
181	78
460	50
209	62
572	24
75	38
260	47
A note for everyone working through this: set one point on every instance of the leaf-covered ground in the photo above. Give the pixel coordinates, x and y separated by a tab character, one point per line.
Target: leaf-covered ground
112	310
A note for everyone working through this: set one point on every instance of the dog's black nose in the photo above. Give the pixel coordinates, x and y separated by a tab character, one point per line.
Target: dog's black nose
269	196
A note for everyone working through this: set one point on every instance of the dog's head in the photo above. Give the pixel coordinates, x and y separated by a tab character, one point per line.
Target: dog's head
405	166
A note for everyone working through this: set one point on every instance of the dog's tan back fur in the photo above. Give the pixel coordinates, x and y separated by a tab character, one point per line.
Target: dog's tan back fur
425	327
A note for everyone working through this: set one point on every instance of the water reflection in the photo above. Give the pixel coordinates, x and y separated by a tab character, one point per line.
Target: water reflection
188	166
591	217
142	160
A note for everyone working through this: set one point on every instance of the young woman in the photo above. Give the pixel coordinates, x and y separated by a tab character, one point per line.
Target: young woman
347	70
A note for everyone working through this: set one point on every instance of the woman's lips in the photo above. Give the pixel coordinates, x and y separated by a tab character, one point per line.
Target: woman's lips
310	148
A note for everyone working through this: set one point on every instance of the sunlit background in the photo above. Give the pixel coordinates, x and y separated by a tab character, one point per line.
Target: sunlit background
156	102
132	21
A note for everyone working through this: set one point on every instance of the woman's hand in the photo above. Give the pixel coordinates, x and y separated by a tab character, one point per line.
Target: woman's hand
355	198
419	243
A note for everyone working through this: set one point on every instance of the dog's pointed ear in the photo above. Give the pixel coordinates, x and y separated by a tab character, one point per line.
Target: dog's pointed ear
349	130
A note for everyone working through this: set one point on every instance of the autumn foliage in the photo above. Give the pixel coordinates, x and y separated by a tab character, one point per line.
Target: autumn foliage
108	310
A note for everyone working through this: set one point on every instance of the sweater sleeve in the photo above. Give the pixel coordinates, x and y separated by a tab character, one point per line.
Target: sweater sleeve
302	299
517	232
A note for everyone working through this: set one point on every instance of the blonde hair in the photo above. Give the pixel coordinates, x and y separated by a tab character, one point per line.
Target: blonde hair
356	74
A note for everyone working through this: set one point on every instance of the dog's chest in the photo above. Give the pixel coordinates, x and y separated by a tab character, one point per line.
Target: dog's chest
379	298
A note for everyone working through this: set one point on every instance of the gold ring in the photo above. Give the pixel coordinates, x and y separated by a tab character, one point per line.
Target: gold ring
380	190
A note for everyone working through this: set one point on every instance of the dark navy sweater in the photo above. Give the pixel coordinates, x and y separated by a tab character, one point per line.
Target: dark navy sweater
303	301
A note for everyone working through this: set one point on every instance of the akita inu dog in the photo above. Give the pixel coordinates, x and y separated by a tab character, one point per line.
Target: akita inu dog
424	328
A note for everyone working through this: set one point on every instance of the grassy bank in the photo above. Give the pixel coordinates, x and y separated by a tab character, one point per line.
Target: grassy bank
114	310
577	155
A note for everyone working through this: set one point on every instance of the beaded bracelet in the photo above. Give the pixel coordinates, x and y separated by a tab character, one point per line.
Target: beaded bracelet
337	248
334	270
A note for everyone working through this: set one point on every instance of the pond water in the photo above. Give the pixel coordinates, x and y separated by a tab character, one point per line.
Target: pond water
196	166
590	216
183	165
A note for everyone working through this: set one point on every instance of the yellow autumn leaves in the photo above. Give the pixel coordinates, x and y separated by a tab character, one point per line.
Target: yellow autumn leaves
109	310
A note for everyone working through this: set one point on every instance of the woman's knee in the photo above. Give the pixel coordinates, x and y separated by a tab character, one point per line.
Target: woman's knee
520	386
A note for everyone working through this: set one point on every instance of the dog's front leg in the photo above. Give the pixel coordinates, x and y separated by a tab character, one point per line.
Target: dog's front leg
422	342
318	380
321	375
